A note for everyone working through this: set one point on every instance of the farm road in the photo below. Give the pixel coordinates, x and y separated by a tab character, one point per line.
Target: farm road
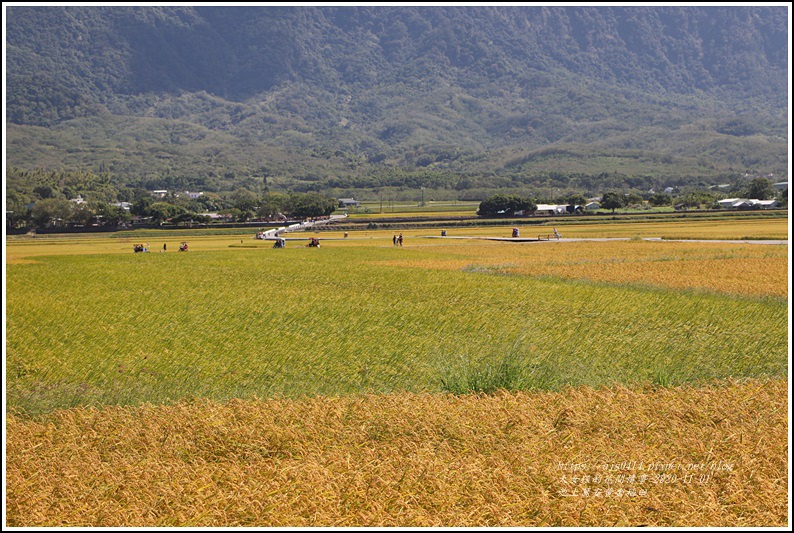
606	239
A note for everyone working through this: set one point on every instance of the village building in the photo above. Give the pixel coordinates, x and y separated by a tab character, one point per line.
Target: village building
745	203
551	209
348	202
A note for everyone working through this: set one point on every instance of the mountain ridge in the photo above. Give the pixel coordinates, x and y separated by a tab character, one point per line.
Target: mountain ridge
315	94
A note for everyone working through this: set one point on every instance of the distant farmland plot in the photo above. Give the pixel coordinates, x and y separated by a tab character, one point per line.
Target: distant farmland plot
729	227
91	323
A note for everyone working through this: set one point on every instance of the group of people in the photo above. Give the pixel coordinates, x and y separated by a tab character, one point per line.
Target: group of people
517	233
145	247
397	240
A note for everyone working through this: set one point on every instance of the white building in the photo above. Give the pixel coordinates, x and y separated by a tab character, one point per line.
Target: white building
747	203
768	204
727	203
551	209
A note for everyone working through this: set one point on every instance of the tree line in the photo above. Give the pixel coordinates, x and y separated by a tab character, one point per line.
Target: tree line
512	204
56	201
39	198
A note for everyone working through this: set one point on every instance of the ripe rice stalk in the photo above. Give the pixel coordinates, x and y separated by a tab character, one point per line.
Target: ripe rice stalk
713	456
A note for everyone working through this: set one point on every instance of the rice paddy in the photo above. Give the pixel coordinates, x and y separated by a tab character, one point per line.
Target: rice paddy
331	386
709	456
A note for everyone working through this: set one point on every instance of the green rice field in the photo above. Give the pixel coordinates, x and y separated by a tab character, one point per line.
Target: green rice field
90	323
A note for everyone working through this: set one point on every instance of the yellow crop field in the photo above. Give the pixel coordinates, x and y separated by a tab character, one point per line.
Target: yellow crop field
454	381
739	228
746	269
712	456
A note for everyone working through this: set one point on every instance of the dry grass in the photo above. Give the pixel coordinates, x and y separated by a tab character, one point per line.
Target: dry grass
410	460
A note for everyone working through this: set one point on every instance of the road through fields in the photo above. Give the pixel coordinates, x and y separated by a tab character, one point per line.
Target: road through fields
607	239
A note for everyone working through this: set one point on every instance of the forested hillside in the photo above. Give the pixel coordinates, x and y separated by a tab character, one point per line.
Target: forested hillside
340	99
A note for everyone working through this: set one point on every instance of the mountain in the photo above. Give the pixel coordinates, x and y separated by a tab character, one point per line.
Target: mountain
340	98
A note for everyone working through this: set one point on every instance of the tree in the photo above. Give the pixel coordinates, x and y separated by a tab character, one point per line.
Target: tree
51	212
186	218
696	199
310	205
162	211
17	210
633	199
141	206
82	214
759	189
272	204
612	200
210	201
244	200
660	199
111	215
45	191
575	199
506	205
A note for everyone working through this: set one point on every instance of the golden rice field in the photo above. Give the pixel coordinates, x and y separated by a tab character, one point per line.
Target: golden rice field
711	456
742	269
238	385
724	228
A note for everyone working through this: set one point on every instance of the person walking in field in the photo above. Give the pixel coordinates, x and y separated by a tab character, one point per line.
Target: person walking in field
164	246
556	235
394	240
400	239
